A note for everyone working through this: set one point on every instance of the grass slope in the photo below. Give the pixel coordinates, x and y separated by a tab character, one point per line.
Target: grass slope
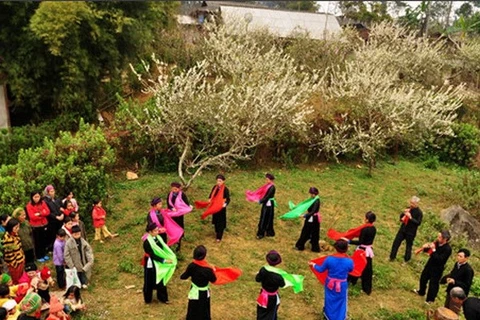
346	194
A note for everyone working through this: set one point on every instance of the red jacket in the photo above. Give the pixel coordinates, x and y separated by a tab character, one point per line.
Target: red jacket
98	215
33	209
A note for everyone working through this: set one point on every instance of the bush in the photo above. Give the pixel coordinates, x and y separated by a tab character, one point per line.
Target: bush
31	136
461	148
78	162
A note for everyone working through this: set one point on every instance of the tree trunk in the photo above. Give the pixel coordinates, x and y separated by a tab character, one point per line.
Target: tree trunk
423	30
449	11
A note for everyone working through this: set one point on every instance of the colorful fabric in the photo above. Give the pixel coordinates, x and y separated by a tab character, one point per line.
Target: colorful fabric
349	234
164	271
181	208
194	292
291	280
255	196
215	205
262	299
224	275
31	303
338	267
5	278
297	210
12	250
173	230
98	215
359	263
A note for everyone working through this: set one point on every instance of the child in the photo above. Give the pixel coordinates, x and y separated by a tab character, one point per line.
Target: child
98	215
67	226
12	311
75	216
30	307
56	310
67	208
58	257
72	300
39	281
72	200
79	254
4	293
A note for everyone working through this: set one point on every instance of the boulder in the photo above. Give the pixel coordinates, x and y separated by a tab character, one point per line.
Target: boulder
461	222
131	175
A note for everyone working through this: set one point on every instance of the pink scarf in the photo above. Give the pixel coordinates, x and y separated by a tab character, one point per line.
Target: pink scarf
255	196
174	231
180	206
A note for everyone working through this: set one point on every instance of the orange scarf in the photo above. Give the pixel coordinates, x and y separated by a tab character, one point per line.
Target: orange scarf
215	204
224	275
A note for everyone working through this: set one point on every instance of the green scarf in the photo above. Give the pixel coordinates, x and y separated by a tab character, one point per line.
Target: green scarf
195	291
164	271
291	280
297	210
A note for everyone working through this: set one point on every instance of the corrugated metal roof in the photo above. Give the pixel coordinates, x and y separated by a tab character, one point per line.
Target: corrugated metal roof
283	23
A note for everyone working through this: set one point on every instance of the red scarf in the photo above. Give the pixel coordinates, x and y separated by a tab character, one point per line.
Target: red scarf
215	204
349	234
359	263
224	275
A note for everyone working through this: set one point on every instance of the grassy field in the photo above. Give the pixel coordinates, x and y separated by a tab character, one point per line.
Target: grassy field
346	193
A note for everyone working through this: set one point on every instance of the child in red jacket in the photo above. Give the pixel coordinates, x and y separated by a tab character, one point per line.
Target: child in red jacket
98	215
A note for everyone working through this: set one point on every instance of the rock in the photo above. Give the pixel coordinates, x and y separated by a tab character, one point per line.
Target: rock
131	175
461	222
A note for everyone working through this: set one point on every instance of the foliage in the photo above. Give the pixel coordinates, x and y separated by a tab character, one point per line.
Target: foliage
239	97
462	147
77	162
31	136
132	146
321	55
359	12
376	108
69	57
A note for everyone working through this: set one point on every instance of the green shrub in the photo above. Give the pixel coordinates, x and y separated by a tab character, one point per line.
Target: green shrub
31	136
77	162
461	148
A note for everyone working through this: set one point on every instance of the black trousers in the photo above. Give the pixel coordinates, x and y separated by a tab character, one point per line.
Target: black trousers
432	277
30	256
310	231
149	285
199	309
366	277
265	225
39	241
61	281
219	220
398	241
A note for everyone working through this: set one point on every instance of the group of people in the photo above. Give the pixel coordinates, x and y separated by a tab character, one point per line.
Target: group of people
46	225
335	271
28	233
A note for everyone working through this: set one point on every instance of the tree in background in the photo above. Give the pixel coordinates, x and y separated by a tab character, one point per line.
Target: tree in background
68	57
365	12
242	95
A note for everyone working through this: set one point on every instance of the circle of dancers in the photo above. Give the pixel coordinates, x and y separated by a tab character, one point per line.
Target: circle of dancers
49	224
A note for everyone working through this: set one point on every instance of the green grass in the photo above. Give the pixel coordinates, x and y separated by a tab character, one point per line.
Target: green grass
346	192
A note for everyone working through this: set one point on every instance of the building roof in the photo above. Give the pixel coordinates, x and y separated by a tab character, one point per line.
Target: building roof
281	22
